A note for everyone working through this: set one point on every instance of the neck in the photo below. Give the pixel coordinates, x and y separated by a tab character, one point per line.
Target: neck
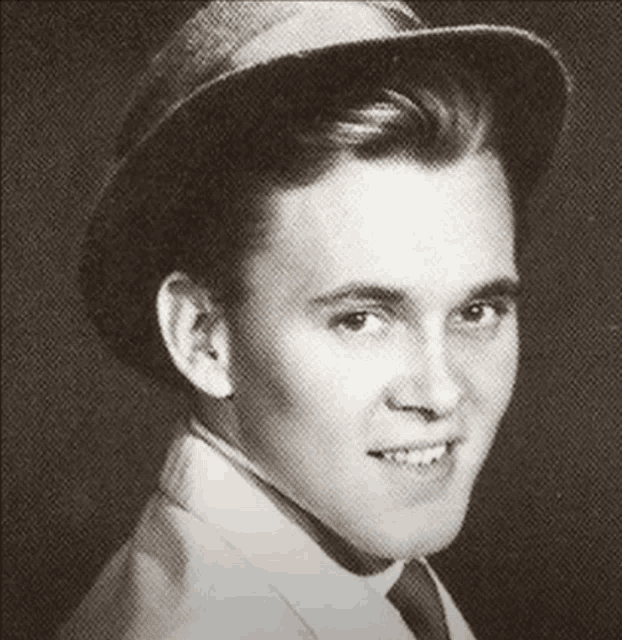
217	416
338	548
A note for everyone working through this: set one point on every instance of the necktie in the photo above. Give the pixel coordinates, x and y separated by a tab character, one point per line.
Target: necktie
417	599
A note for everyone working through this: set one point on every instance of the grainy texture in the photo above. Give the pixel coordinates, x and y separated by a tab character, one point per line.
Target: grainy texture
83	438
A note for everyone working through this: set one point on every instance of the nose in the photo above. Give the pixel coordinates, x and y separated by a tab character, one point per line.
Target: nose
430	386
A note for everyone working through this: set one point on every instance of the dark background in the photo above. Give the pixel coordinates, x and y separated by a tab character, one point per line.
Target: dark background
83	438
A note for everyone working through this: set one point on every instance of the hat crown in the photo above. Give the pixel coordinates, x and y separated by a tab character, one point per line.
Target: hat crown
225	37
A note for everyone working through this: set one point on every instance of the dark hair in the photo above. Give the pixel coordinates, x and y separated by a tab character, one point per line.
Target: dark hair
435	119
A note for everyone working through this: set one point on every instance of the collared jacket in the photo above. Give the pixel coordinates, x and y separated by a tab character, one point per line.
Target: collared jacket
213	557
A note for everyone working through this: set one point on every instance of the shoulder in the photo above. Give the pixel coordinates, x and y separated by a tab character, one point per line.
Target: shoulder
178	577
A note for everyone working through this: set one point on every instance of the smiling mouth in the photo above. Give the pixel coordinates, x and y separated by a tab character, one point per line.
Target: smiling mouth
416	456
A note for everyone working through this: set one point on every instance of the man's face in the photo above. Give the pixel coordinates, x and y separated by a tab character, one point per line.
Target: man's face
377	349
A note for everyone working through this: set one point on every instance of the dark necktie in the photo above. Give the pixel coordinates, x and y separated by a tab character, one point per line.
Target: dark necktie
417	599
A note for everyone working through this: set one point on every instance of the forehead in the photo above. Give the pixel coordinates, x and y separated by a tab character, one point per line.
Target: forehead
392	222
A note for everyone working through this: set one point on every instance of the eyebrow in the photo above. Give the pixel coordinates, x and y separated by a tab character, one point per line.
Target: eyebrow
360	291
500	288
356	291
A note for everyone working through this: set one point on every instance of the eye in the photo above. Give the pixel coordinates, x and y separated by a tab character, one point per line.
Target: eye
360	322
482	314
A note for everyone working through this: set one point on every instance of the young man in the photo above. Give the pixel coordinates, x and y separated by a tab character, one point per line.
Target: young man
312	230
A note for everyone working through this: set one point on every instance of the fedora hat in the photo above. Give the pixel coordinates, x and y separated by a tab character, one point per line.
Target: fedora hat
226	66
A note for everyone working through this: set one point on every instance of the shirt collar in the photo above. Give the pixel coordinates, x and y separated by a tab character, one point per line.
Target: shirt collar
219	444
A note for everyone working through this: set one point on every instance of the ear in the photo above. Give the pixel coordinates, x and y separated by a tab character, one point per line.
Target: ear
195	333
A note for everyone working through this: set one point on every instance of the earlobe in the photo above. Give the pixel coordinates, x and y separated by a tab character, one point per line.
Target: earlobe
195	334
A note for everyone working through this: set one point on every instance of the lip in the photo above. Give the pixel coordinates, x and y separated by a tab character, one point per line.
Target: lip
437	472
450	441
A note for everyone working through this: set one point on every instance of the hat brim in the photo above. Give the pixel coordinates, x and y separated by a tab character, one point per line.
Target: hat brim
130	240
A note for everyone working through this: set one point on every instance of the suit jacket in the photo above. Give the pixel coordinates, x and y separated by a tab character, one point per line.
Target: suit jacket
214	557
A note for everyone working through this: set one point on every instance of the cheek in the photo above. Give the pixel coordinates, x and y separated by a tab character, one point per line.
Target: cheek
315	380
489	376
299	381
489	371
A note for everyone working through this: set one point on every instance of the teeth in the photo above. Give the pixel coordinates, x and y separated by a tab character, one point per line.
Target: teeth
417	457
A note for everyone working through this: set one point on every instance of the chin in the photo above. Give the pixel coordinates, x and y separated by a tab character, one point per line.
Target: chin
403	538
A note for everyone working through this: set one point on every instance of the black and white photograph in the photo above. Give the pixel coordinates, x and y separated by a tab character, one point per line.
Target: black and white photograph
311	320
